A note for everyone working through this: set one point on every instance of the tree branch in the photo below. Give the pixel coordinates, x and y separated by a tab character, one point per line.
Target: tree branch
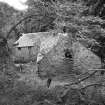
20	23
80	80
94	84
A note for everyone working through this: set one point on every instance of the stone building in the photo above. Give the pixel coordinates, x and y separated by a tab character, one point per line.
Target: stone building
55	55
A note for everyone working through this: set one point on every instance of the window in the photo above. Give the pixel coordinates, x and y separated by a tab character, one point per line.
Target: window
19	48
68	53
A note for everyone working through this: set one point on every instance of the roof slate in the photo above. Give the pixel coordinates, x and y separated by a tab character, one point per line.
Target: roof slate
30	39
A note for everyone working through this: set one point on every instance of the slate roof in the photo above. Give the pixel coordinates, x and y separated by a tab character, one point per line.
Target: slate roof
30	39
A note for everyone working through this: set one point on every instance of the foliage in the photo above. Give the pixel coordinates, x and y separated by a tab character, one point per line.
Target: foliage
82	22
95	7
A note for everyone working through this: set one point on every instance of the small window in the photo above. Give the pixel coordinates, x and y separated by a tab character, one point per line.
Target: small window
102	72
19	48
64	29
68	53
